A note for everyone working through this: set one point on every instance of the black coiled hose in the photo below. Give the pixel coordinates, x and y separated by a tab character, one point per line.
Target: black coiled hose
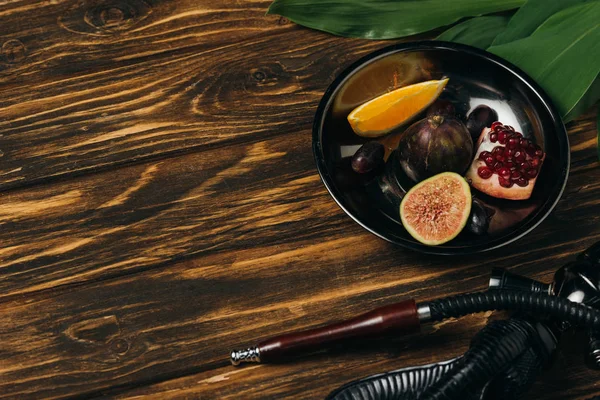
553	307
493	351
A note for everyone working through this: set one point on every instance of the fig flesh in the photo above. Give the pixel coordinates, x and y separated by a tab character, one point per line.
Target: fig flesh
436	210
434	145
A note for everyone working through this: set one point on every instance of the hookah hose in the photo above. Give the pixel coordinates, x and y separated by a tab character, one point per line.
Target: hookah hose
407	316
503	360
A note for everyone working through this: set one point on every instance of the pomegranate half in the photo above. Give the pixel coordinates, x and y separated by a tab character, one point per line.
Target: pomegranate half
506	164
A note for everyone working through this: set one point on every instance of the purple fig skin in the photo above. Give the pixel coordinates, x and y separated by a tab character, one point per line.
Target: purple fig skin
441	107
368	157
481	117
434	145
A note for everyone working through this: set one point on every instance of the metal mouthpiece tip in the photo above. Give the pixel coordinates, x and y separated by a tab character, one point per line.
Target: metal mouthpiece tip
249	355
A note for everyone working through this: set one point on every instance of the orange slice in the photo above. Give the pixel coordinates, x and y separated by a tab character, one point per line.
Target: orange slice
384	113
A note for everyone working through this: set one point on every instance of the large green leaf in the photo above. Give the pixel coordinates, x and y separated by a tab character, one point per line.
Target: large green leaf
530	16
479	32
561	55
384	19
589	99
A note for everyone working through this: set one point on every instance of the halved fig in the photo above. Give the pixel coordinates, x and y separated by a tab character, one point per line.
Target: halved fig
436	210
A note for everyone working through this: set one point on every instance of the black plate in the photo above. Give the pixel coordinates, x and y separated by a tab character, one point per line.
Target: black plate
476	77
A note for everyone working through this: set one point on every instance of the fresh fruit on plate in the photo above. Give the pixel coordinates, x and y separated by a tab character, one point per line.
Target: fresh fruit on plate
381	76
481	117
506	164
436	210
384	113
479	219
441	107
368	157
433	145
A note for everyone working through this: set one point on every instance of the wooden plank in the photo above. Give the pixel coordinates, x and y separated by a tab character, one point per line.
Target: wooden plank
276	255
183	319
229	198
226	199
87	86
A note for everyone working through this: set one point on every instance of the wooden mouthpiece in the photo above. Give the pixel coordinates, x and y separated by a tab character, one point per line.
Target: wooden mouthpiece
394	318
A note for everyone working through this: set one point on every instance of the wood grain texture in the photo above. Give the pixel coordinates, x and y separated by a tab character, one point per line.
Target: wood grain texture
145	215
122	81
281	256
159	205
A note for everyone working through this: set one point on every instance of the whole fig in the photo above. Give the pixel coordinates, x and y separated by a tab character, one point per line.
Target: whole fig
434	145
368	157
441	107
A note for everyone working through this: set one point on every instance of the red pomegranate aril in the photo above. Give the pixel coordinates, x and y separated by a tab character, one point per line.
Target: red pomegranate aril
539	152
502	137
496	125
497	166
504	172
484	154
512	143
498	150
530	150
535	162
522	182
489	160
524	166
494	137
531	173
500	157
518	134
509	152
515	176
510	165
505	182
510	128
484	172
519	156
524	143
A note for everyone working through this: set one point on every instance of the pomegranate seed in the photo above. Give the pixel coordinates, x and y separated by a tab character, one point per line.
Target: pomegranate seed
504	172
497	166
524	166
500	157
522	182
524	143
512	143
539	152
502	137
484	172
496	125
494	137
518	134
535	162
510	128
510	165
515	175
530	150
498	150
504	182
509	152
519	156
489	160
531	173
484	154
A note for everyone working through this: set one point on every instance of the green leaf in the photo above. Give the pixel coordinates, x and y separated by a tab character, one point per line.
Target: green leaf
589	99
384	19
561	55
479	32
530	16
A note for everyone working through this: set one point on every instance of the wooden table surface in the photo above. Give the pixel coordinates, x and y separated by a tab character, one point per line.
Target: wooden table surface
159	205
